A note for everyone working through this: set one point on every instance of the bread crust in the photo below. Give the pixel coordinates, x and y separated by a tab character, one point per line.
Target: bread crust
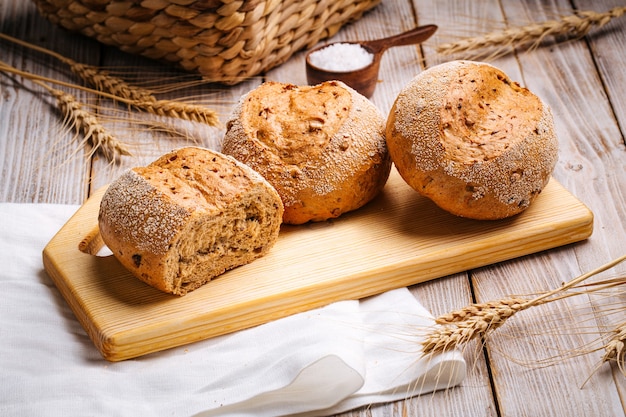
322	147
188	217
473	141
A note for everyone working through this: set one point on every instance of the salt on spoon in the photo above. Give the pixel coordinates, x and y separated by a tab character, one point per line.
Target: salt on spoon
357	63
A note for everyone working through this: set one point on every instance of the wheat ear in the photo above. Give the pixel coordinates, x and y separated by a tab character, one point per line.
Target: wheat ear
97	78
80	119
479	319
615	349
104	81
179	110
169	108
86	123
576	25
142	99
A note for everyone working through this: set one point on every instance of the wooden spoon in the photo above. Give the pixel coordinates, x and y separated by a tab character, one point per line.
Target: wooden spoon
364	79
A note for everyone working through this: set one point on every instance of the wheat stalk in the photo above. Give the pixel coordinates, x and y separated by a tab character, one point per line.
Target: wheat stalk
615	349
479	319
117	89
86	123
79	119
142	99
104	81
169	108
576	25
99	79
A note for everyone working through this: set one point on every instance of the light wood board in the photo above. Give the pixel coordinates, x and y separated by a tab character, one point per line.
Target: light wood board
397	240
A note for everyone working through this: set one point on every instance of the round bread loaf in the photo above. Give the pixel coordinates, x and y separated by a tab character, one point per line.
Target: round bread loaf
322	147
473	141
188	217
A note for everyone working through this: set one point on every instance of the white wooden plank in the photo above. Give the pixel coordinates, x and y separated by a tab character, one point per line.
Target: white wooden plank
564	76
608	45
35	148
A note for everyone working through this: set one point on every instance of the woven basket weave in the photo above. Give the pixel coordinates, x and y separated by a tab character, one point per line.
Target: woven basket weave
225	41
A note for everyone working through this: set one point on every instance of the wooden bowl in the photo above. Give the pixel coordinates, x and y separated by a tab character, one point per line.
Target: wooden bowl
364	79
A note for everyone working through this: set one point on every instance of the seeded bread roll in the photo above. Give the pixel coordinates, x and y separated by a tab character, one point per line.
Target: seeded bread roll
322	147
473	141
188	217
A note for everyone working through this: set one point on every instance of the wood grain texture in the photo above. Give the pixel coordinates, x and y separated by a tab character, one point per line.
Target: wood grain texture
582	80
397	240
591	164
40	153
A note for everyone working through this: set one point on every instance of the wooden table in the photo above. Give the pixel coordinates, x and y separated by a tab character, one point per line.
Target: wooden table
531	367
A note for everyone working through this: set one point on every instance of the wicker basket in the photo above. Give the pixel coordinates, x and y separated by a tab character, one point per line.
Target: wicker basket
225	41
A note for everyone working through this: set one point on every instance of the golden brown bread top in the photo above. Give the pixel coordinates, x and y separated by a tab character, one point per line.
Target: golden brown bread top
300	128
468	121
159	198
484	113
476	143
322	147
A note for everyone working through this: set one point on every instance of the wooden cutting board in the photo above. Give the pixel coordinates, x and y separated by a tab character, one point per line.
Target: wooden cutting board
397	240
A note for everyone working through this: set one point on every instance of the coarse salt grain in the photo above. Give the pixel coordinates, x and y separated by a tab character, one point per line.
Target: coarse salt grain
341	57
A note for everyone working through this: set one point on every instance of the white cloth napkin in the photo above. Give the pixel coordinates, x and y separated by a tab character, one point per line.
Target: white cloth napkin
321	362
